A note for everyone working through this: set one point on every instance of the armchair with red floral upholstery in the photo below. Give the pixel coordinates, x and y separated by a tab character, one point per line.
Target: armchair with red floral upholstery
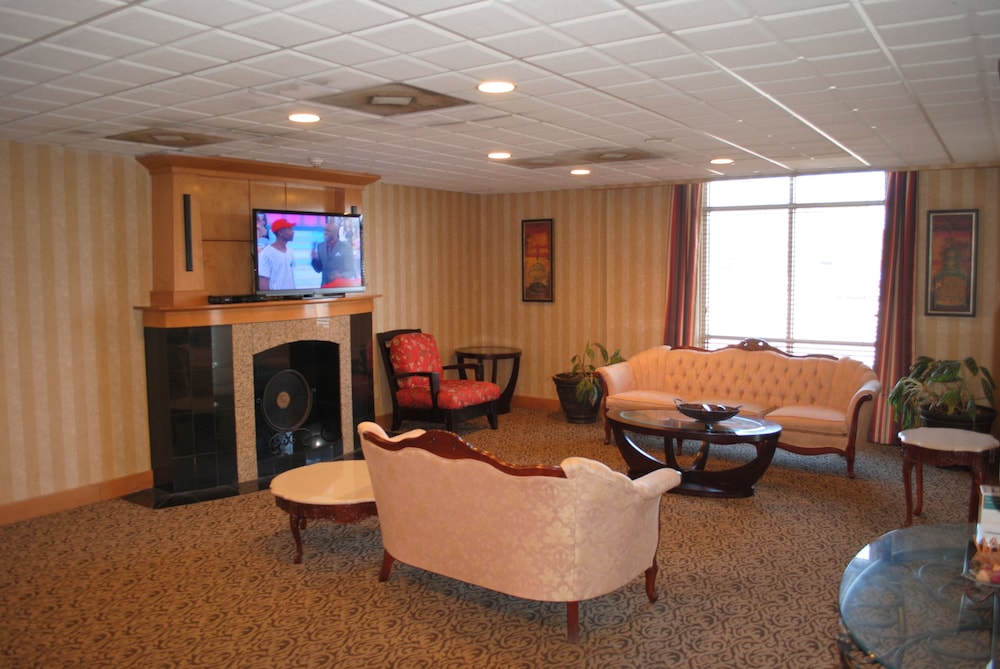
418	390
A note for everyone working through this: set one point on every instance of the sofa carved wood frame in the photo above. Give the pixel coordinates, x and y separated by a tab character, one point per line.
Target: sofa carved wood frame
481	535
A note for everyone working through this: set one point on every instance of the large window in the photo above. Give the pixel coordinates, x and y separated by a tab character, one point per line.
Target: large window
794	261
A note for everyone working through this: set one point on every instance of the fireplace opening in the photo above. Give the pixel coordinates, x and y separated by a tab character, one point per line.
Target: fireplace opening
297	405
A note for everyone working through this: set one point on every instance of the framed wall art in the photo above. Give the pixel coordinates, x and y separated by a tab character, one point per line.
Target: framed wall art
952	242
536	260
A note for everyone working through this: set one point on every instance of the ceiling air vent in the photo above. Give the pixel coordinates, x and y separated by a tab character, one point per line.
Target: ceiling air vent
587	157
390	99
175	139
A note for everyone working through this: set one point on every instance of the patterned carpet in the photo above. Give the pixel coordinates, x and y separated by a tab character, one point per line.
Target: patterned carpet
743	583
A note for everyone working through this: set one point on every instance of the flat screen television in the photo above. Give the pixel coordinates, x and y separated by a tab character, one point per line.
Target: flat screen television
307	254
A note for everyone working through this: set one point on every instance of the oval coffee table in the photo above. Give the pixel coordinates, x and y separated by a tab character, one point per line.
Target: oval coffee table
674	426
340	491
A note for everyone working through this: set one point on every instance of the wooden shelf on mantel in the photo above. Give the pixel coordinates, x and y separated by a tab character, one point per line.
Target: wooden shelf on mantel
254	312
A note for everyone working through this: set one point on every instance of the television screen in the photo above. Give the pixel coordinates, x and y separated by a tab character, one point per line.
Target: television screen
307	254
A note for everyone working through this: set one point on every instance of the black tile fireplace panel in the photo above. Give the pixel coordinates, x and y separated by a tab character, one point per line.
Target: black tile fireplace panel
186	417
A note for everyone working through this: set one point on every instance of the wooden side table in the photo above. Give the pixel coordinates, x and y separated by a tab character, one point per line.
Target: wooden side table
945	447
340	491
493	354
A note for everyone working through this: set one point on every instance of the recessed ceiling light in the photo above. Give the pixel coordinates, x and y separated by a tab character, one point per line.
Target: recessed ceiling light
303	118
498	155
495	87
722	161
579	172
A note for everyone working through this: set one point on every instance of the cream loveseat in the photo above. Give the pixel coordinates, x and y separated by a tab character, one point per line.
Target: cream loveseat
822	403
547	533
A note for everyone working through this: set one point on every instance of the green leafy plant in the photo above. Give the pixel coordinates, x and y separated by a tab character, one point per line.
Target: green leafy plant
950	387
584	370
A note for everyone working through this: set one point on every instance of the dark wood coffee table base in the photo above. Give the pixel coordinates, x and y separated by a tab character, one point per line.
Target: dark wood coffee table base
299	513
735	482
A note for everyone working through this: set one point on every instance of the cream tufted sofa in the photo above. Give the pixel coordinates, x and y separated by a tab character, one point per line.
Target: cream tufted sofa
554	534
822	403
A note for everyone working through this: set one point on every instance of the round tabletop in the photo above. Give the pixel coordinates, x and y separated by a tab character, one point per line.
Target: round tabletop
905	603
325	483
948	439
669	421
488	352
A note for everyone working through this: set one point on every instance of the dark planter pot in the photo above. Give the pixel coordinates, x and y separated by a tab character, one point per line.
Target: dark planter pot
983	422
575	410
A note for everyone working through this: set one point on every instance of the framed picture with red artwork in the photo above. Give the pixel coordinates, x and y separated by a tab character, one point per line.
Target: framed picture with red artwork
952	243
536	260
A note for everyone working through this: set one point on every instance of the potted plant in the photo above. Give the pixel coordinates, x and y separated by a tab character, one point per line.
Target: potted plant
944	393
579	389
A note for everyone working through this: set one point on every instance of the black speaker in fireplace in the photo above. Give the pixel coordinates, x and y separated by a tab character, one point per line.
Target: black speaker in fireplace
297	405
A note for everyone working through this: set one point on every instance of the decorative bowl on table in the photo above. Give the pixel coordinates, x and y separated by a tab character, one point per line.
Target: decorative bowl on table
706	411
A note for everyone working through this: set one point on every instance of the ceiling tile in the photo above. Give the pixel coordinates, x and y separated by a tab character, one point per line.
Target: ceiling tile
216	13
223	45
279	29
346	15
481	19
147	25
608	27
101	43
679	15
408	35
532	42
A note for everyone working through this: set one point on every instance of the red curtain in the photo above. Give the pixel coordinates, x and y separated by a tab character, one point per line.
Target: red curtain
894	339
682	275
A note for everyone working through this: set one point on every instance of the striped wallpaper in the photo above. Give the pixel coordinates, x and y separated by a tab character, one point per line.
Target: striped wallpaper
76	228
76	249
454	265
955	337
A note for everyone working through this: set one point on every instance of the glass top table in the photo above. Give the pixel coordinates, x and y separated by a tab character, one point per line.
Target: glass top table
905	604
673	426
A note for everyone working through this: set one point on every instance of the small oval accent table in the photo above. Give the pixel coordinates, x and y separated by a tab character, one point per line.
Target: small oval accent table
945	447
673	425
340	491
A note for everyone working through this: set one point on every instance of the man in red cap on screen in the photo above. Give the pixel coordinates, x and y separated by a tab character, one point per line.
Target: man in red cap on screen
276	270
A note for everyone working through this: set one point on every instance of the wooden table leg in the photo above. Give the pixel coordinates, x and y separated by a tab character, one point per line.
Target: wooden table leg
919	508
978	464
297	524
907	484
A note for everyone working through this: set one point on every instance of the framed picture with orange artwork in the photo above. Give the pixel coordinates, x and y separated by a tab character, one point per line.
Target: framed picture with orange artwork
952	244
536	260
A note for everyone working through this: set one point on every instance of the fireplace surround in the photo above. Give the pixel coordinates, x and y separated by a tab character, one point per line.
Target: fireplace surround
203	407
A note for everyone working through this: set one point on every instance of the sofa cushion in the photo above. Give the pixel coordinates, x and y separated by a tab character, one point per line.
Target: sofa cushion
654	399
809	418
455	394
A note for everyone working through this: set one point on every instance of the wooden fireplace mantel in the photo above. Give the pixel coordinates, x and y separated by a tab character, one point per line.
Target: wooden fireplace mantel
202	219
255	312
